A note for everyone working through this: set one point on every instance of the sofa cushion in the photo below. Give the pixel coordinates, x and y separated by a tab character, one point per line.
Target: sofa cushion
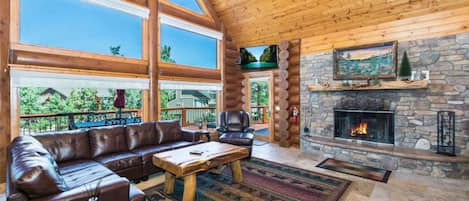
120	161
72	166
66	145
82	176
169	131
181	144
142	134
107	140
146	153
237	138
33	169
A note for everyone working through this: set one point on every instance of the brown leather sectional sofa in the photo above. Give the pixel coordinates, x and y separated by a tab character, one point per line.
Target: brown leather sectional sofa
66	165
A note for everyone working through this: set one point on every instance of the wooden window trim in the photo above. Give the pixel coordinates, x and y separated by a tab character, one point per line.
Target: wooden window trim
189	72
74	71
15	43
73	53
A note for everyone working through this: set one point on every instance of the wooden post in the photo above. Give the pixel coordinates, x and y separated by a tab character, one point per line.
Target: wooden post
145	106
169	182
5	125
237	172
183	117
283	95
190	185
153	59
264	112
15	113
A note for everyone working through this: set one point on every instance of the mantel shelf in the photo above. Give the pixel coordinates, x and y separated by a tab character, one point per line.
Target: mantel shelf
396	85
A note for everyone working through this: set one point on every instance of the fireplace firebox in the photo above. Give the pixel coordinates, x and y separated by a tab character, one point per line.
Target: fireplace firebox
367	125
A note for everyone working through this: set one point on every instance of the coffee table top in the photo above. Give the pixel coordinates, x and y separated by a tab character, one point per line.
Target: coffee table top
181	162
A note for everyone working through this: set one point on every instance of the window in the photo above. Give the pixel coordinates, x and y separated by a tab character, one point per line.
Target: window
80	25
189	4
189	106
191	102
187	48
44	109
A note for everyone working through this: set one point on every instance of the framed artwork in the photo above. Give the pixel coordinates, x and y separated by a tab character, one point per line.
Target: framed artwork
366	62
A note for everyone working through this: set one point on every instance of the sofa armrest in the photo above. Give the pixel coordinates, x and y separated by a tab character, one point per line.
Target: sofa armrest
190	135
221	129
248	130
111	188
17	197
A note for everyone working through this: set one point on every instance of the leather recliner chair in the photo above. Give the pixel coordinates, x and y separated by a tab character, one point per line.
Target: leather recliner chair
235	129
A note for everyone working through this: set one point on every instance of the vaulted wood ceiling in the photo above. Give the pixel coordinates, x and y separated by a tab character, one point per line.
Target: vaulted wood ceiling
254	22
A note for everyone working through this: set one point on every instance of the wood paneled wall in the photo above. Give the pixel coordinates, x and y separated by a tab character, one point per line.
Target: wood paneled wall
254	22
4	85
420	27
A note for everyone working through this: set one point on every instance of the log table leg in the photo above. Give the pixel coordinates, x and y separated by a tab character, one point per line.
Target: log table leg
190	185
169	182
237	171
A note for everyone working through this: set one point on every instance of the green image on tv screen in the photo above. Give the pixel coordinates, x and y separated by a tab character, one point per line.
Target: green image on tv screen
259	57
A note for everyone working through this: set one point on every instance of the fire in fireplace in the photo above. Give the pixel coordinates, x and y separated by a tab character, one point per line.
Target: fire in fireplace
360	130
368	125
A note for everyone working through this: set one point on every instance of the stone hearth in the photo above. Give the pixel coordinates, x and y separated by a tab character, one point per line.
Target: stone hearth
447	59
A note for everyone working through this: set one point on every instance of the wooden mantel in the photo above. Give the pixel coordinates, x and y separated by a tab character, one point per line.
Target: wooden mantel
384	85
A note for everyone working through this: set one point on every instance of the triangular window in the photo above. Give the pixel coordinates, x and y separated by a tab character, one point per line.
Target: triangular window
189	4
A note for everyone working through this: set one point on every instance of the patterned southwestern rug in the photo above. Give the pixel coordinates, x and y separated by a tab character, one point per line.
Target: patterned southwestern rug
372	173
263	180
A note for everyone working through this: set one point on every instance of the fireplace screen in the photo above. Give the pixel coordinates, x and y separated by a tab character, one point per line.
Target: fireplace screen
375	126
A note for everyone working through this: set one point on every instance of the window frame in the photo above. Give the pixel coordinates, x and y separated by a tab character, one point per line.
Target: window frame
17	45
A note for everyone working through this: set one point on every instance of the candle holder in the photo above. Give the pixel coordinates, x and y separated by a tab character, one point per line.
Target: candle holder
446	133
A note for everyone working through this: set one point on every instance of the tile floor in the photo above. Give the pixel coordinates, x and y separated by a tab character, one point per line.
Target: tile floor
400	187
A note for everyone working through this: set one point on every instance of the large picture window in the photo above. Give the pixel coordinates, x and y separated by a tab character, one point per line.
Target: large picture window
80	25
179	46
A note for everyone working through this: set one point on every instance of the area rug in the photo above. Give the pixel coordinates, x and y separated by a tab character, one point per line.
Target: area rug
372	173
263	180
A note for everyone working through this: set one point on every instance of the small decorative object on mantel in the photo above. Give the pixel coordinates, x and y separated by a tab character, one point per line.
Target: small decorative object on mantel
405	72
446	133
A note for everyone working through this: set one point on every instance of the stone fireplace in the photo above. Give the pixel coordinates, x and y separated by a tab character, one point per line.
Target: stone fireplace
400	123
364	125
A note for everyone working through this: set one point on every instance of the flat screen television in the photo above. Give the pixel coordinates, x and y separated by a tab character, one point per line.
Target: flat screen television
259	57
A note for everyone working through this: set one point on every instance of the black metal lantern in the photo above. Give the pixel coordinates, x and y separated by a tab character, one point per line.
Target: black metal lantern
446	131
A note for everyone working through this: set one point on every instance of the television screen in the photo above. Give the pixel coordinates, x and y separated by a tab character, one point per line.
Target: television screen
259	57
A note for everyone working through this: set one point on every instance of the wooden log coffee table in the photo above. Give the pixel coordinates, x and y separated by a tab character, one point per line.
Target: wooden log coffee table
181	163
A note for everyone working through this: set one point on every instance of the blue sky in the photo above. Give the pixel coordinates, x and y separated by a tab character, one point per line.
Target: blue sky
73	24
191	4
80	25
257	51
188	48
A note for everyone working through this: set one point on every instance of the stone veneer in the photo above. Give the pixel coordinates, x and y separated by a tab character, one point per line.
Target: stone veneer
447	59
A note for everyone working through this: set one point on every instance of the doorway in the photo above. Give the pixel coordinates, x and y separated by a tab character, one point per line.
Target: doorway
259	102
